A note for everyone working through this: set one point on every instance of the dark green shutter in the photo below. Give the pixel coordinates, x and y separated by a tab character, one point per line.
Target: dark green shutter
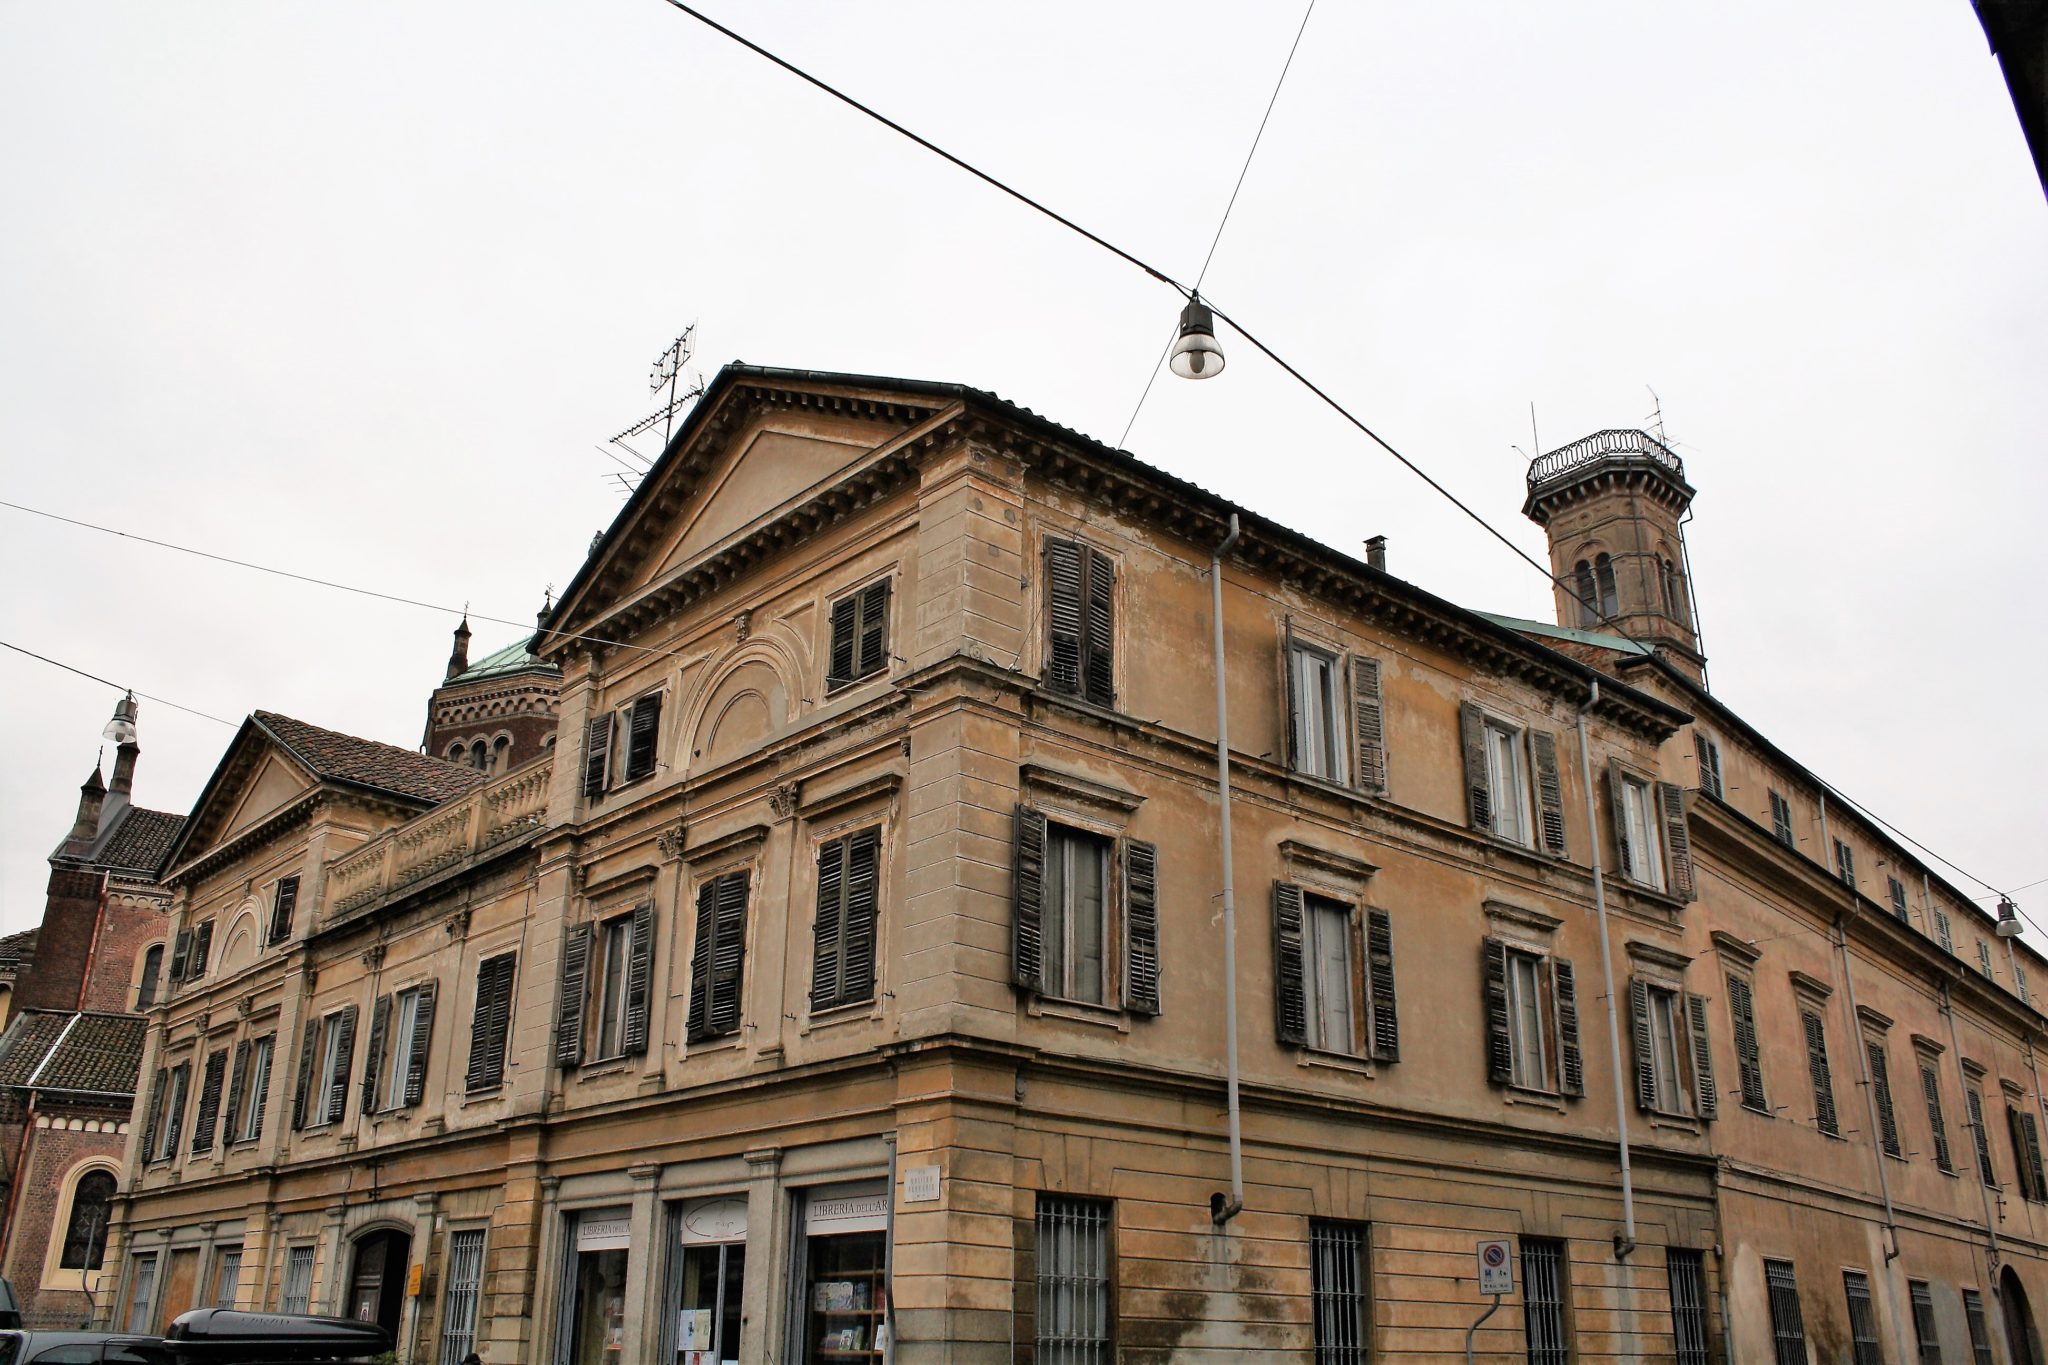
1292	683
1930	1089
1500	1049
202	944
181	1086
1098	654
639	979
373	1056
1619	802
845	615
1742	1011
1368	727
422	1041
1705	1093
728	957
1571	1062
643	735
1141	927
1639	1031
1065	614
1379	956
1881	1091
207	1126
1549	791
261	1099
874	629
1817	1072
1677	841
155	1113
597	748
181	953
285	902
489	1021
302	1096
1290	1000
1027	951
569	1006
828	930
337	1095
1478	794
238	1079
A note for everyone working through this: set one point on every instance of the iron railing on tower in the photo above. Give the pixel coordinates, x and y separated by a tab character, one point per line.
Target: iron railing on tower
1612	444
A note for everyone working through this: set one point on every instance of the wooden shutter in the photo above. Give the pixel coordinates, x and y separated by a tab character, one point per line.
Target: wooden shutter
1619	803
597	748
1742	1011
1571	1062
643	732
1930	1089
207	1126
1290	998
202	943
488	1023
1098	659
1639	1031
1027	950
422	1041
828	930
238	1080
181	1086
1549	791
181	953
569	1006
1677	842
872	654
639	979
699	1020
302	1112
1881	1091
863	912
845	639
155	1114
728	958
373	1055
1817	1072
1368	727
1500	1051
1379	957
1291	681
1974	1102
1478	795
1141	927
261	1099
1706	1095
2034	1171
1065	614
285	902
337	1095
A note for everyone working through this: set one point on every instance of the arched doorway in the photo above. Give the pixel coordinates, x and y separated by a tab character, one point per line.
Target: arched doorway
376	1286
2019	1320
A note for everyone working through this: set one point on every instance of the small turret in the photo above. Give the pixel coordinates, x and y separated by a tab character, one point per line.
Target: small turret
458	658
92	794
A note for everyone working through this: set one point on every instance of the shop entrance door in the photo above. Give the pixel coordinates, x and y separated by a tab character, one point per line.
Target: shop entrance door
376	1289
708	1260
597	1288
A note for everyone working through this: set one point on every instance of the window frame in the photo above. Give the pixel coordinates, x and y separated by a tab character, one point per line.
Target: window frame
298	1264
1926	1329
1781	819
1340	1291
1091	1271
149	979
610	987
1324	917
1327	759
1685	1275
462	1303
1521	1011
331	1069
259	1062
1506	740
176	1092
1643	842
284	902
1546	1299
58	1275
1865	1345
142	1289
857	601
394	1064
1788	1319
1068	836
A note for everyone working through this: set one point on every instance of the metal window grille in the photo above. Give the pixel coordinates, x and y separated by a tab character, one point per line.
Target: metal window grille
1980	1334
1688	1305
144	1290
298	1279
465	1274
1073	1281
1924	1330
1862	1319
1788	1327
1337	1277
230	1282
1543	1300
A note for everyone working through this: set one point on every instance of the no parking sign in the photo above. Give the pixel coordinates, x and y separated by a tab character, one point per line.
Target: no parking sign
1496	1268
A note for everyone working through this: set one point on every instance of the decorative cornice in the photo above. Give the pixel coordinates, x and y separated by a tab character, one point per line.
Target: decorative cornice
1810	986
1074	787
1742	951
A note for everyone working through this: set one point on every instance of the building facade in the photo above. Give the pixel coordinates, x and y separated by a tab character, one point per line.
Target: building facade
847	981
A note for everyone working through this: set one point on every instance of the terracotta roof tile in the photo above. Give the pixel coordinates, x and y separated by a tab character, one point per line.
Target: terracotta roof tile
99	1052
27	1041
368	762
141	840
18	948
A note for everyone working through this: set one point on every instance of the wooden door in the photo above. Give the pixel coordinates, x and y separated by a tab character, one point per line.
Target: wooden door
181	1288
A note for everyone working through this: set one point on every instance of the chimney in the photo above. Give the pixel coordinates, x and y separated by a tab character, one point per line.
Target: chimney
458	658
124	769
91	793
1376	553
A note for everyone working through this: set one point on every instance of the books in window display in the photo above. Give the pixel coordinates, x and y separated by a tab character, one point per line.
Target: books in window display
852	1311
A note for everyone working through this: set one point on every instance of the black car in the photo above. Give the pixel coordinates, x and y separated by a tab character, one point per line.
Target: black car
205	1336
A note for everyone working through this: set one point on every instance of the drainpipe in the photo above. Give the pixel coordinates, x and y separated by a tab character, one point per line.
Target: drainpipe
1625	1241
889	1260
1220	1212
1977	1136
1884	1183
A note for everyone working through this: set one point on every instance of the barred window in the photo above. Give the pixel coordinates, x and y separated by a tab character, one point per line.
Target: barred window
141	1291
1788	1326
228	1282
465	1274
298	1279
1924	1331
1543	1300
1980	1334
1073	1281
1338	1277
1688	1304
1862	1319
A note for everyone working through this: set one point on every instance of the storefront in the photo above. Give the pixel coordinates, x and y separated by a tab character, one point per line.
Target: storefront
707	1280
841	1304
594	1325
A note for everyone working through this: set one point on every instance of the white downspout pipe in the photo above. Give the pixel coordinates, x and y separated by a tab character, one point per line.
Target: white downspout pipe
1884	1184
1955	1047
1223	1213
1626	1241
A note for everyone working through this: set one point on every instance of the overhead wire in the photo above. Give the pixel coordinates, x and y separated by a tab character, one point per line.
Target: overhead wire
118	687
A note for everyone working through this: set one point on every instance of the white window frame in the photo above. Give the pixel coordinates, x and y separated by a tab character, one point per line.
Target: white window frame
1329	927
1670	1040
1507	781
397	1059
332	1059
1644	835
1063	841
1529	1020
615	969
1321	736
256	1079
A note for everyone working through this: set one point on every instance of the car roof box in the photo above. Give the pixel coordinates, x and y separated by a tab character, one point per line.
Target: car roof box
235	1338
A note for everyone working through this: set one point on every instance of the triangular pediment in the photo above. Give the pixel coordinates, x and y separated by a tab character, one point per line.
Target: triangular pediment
275	783
769	472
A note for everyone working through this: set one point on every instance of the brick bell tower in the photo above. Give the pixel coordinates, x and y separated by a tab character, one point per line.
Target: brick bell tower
1613	505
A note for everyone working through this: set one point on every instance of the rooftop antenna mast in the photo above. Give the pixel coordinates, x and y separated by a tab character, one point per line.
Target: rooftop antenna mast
668	373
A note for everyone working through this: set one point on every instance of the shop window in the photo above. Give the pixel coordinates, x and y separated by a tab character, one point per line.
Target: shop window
85	1230
594	1325
707	1280
846	1306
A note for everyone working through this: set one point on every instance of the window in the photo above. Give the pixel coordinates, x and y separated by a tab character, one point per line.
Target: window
1543	1300
1788	1326
1984	959
501	754
1080	600
395	1063
1687	1273
614	1008
843	936
1985	1171
1315	712
85	1229
1925	1333
1594	584
152	969
189	950
1076	931
1817	1070
1980	1335
227	1279
1321	998
490	1023
1881	1091
324	1065
1673	585
1650	833
206	1127
1845	862
643	735
1930	1089
142	1289
1748	1062
465	1278
1862	1319
1642	856
2019	982
718	961
642	724
2026	1152
1781	820
1339	1285
283	901
1943	934
298	1279
479	757
1674	1068
1898	892
1532	1020
1074	1321
1505	783
860	635
1497	781
249	1091
168	1117
1710	764
1582	588
1326	931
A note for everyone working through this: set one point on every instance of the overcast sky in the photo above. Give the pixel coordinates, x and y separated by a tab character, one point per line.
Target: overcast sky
356	289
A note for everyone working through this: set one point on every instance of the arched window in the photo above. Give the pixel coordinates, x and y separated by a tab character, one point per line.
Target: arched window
85	1234
1603	586
479	756
549	744
1582	585
1674	590
501	754
455	752
152	969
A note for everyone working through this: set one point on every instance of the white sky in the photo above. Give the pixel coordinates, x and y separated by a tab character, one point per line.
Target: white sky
354	289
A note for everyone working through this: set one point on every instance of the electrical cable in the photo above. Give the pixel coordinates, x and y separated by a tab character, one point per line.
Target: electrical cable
146	696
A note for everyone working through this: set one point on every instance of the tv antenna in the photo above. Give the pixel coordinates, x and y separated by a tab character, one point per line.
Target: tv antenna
1656	418
668	373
